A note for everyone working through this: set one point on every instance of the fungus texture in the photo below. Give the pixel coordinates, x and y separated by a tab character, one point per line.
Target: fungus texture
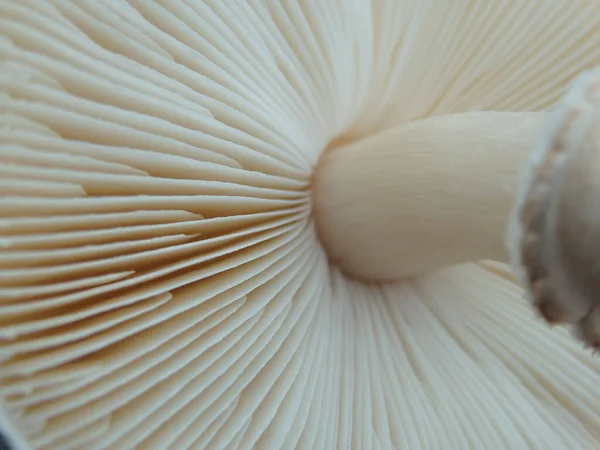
259	224
556	222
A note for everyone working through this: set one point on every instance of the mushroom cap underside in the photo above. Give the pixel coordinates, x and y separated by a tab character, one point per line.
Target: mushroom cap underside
162	281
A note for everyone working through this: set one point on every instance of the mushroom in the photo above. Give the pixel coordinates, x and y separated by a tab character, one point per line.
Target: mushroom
555	223
241	224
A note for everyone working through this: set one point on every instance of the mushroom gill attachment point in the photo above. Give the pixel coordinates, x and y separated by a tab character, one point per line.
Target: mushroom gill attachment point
556	223
422	195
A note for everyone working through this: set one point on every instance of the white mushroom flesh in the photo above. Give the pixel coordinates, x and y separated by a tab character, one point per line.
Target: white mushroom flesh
556	221
167	281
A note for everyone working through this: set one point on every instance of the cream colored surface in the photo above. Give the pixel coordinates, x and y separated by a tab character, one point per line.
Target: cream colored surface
423	195
162	282
555	224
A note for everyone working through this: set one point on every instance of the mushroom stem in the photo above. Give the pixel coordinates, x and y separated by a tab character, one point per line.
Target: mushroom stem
555	225
423	195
